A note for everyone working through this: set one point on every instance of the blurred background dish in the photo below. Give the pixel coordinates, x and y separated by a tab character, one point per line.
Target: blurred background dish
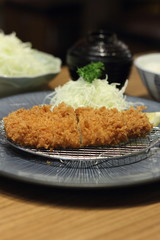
14	85
148	66
101	46
11	86
23	68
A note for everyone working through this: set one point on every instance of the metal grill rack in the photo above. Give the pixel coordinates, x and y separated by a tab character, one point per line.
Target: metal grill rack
131	152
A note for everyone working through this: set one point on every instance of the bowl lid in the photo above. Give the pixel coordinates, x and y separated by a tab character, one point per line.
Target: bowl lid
101	44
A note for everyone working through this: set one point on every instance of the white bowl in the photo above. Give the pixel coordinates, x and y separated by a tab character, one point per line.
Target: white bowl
148	66
15	85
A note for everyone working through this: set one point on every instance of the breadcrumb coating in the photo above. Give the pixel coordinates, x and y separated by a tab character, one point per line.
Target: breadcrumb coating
111	127
65	127
42	128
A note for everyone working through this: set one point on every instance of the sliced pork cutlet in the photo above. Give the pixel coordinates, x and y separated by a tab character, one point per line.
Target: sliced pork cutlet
42	128
101	126
65	127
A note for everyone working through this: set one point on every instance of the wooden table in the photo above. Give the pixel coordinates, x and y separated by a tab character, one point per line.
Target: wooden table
34	212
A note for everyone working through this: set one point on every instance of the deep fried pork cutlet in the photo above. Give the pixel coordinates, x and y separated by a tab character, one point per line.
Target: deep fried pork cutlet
65	127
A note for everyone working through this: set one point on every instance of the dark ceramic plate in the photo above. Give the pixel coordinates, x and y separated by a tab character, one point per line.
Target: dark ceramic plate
28	167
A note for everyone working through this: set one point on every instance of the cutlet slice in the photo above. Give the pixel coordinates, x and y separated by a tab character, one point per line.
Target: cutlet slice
111	127
101	126
40	127
137	122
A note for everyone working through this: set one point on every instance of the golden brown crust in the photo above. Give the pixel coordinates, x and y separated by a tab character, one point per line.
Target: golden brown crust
39	127
137	122
101	127
69	128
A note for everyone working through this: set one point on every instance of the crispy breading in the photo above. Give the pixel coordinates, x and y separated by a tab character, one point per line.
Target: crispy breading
40	127
137	122
65	127
110	127
101	126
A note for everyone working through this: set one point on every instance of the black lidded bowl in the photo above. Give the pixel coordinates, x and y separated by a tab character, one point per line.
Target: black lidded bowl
101	46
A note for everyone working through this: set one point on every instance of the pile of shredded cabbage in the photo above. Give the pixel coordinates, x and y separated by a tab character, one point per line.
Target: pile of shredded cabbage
18	59
97	94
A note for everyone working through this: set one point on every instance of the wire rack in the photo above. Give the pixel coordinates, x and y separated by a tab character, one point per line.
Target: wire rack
131	152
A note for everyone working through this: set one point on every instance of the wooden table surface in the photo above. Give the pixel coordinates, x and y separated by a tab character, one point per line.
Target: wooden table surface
35	212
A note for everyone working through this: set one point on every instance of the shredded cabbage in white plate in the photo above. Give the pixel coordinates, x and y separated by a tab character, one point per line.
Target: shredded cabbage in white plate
97	94
18	59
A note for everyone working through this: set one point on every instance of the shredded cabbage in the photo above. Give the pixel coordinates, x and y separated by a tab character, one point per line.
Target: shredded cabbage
97	94
18	59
